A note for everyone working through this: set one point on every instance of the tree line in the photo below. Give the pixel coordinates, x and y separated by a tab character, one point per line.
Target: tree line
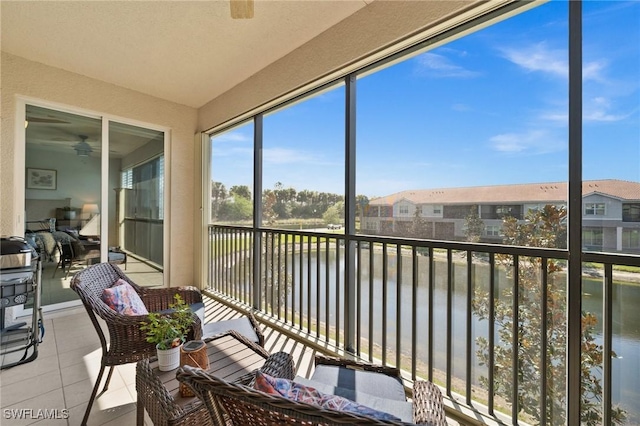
279	203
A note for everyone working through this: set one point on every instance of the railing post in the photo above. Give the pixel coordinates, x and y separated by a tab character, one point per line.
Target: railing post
350	214
257	211
574	286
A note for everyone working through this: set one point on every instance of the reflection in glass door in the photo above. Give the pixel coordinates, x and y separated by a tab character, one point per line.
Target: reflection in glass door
64	206
62	195
137	217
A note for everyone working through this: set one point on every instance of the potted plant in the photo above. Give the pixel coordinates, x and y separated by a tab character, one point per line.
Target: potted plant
168	331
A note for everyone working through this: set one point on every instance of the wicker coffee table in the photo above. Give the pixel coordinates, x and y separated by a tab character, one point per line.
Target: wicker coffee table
231	357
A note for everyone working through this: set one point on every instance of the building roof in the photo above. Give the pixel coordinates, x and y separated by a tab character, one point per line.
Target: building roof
555	192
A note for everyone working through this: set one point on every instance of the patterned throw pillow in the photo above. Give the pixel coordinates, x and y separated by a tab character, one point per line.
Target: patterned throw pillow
123	298
297	392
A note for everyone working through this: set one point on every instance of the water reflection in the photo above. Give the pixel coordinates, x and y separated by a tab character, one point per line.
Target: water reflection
330	274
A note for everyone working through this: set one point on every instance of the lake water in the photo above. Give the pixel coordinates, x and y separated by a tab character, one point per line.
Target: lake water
626	328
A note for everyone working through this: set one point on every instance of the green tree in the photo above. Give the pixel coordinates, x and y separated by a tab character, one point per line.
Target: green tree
362	205
282	210
268	202
474	225
334	214
418	225
304	197
542	228
241	191
218	196
237	209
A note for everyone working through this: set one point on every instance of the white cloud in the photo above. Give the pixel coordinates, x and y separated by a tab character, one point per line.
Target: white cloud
600	115
593	71
529	142
596	109
285	156
436	65
562	117
232	137
599	109
539	57
461	107
228	151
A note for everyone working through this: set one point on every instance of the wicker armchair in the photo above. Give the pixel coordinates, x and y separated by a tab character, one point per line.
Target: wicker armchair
239	404
163	409
127	343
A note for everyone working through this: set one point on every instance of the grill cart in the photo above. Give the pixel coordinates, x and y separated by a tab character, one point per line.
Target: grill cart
20	273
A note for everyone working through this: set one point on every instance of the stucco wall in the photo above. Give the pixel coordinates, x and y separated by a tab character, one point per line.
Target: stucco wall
26	78
613	207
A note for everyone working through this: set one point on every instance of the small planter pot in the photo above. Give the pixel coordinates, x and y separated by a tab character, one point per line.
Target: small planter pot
168	359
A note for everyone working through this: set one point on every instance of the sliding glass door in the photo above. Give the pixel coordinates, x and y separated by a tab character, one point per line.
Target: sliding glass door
62	195
94	192
140	195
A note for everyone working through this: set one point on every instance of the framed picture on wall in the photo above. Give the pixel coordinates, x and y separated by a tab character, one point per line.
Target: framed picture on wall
41	179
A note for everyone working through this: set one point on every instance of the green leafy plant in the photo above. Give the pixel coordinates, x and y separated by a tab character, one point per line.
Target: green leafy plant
541	228
169	330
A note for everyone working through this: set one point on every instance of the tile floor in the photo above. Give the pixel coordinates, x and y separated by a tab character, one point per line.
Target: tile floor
56	289
62	376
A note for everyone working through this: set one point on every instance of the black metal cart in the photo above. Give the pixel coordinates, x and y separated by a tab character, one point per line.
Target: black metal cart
20	278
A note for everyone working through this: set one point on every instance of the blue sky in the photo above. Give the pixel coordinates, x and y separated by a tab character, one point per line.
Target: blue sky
488	108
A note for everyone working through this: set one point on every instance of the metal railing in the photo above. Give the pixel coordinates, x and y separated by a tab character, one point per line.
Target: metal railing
436	309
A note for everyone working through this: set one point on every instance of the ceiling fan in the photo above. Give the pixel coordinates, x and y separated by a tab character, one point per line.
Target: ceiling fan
83	149
241	9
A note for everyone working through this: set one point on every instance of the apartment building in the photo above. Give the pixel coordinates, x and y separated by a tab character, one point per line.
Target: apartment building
610	211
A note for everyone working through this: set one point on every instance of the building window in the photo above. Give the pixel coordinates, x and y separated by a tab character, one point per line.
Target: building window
146	182
594	209
511	211
631	212
456	211
437	209
126	180
631	239
403	210
492	230
592	237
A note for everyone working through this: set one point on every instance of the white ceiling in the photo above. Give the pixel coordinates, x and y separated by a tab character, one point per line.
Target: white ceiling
187	52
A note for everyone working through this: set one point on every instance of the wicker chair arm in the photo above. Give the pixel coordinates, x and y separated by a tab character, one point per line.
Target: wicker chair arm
152	392
428	407
256	328
242	338
244	405
158	299
321	359
278	365
195	333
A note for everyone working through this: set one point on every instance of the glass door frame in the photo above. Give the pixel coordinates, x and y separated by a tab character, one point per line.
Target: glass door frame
20	176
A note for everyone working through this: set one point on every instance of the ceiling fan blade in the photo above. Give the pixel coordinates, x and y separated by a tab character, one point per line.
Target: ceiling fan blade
241	9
